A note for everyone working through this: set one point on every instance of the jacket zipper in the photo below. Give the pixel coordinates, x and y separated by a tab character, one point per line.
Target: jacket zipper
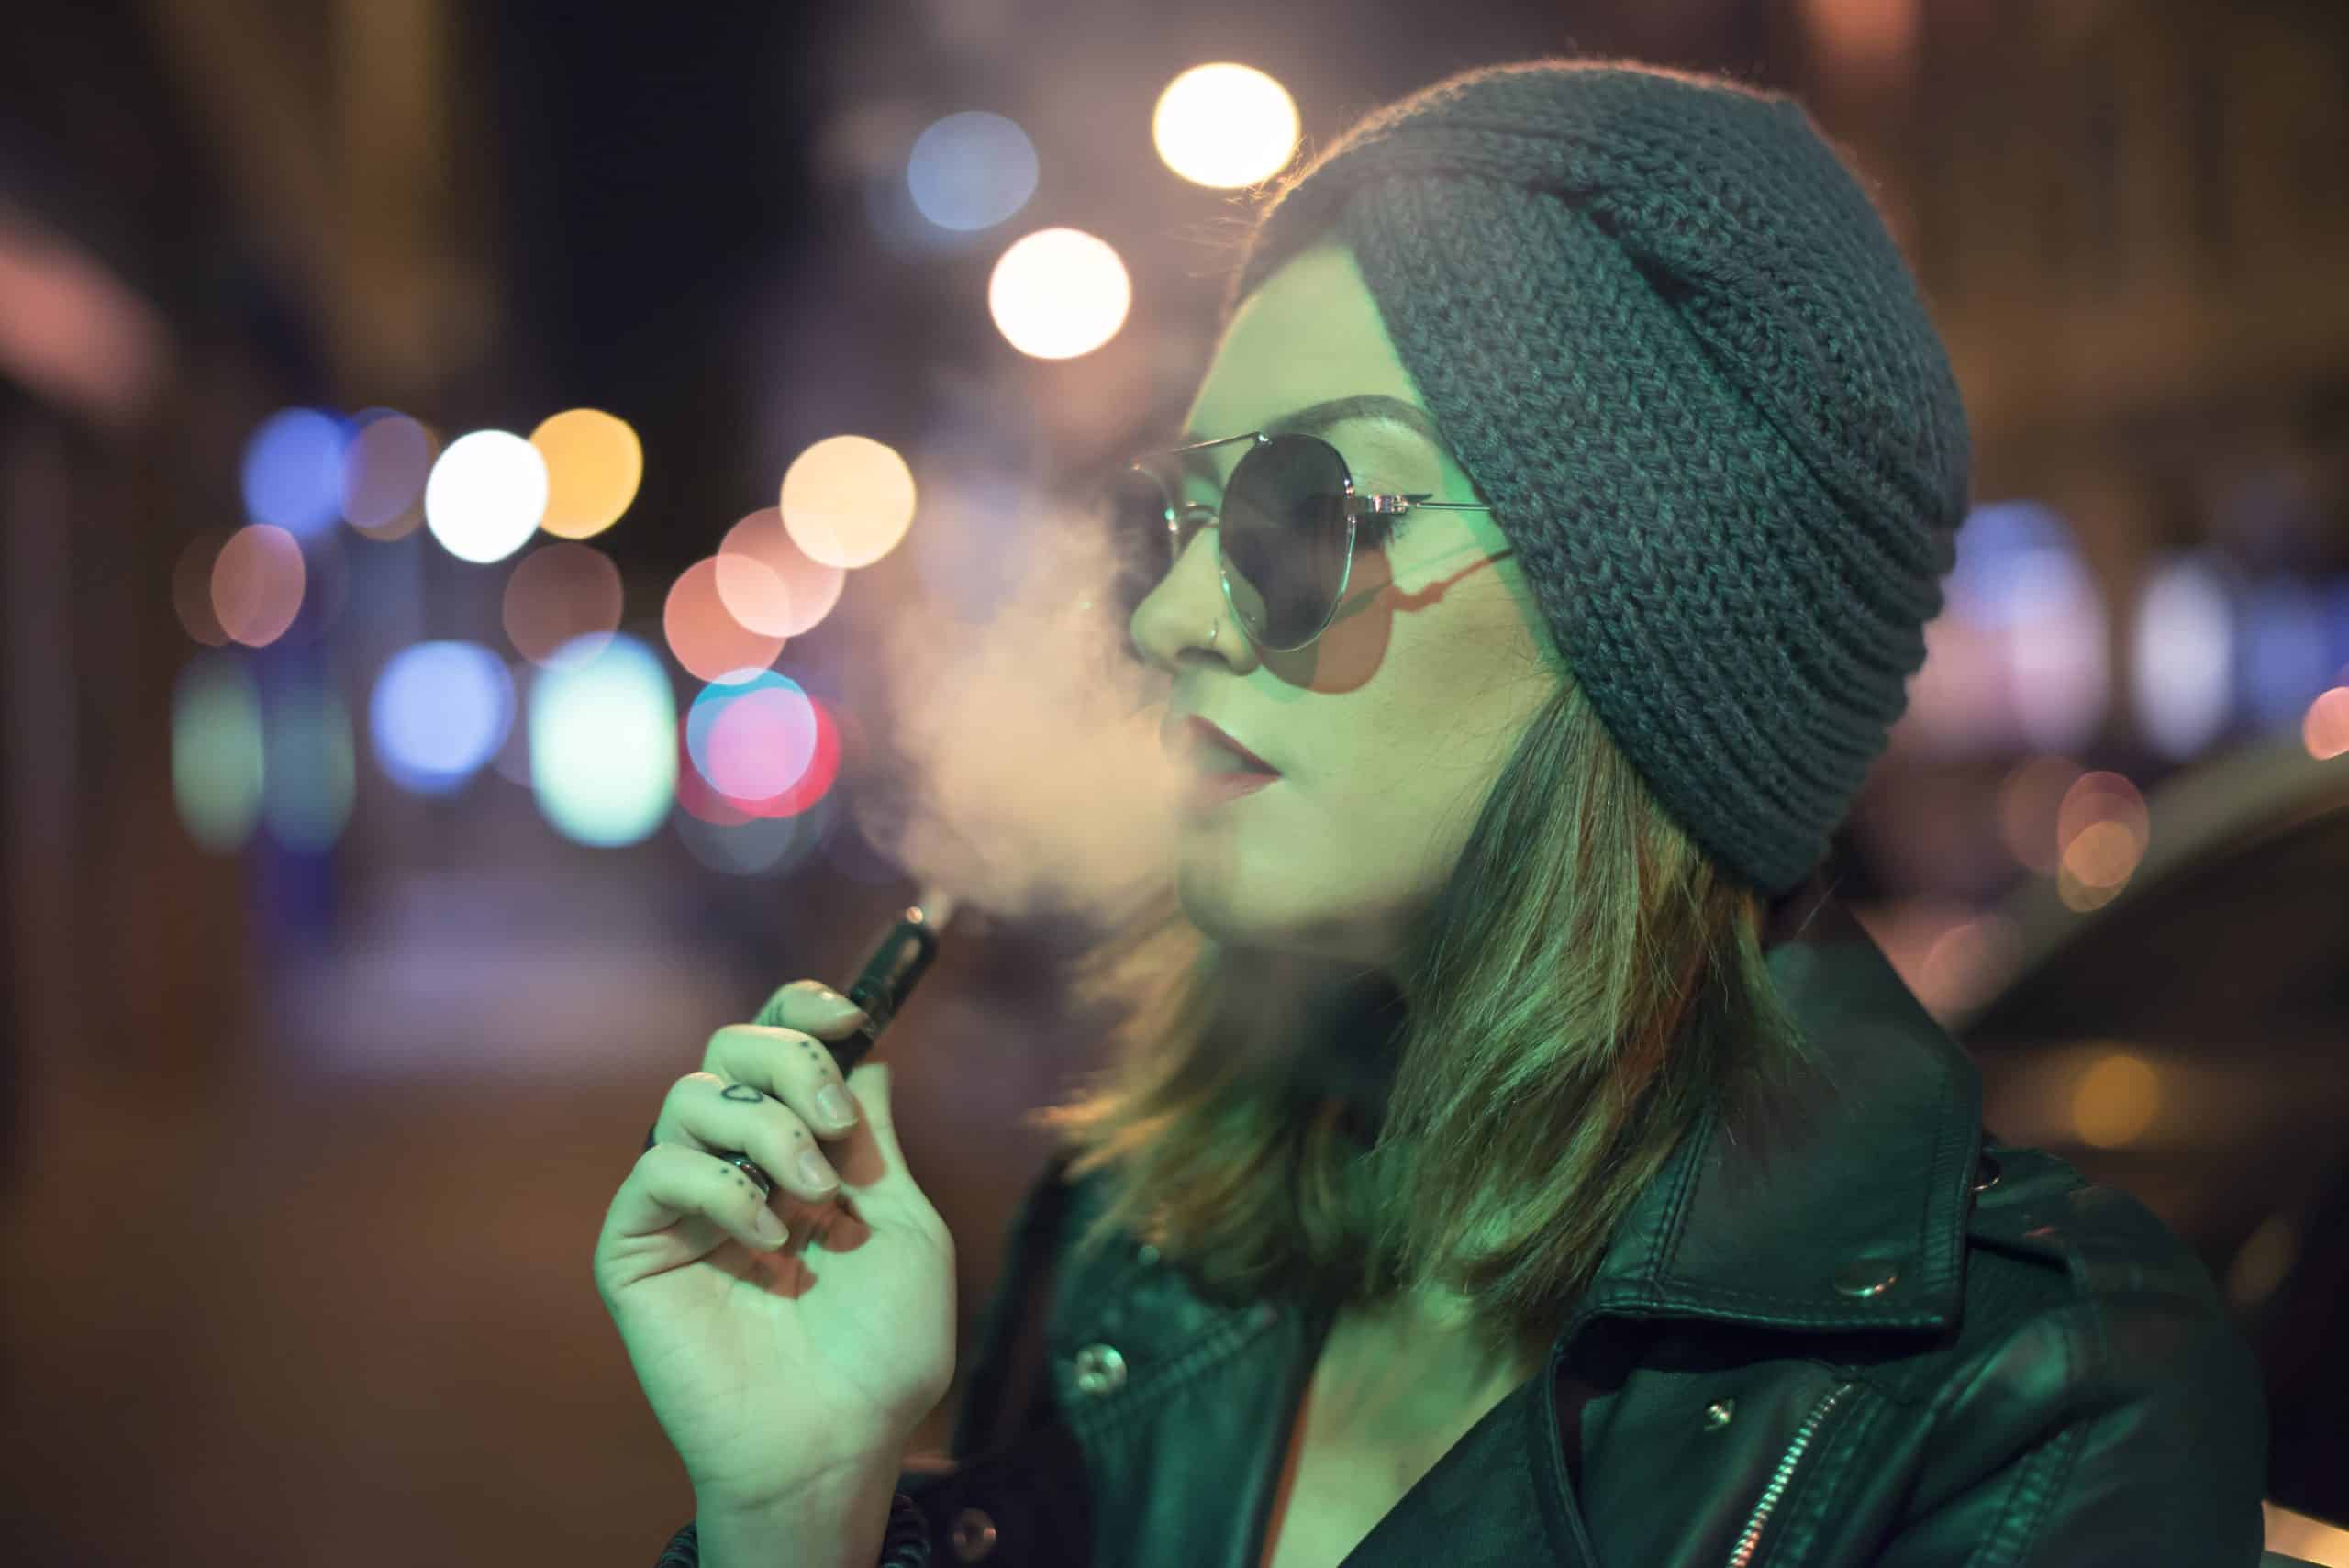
1741	1556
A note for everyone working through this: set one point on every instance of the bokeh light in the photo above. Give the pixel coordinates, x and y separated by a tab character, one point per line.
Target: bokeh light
847	501
1967	963
561	597
768	584
704	637
594	463
1057	294
384	468
2326	729
971	170
439	711
814	784
216	752
192	587
753	739
2263	1262
2182	658
2287	653
2029	803
308	773
2116	1100
1224	125
485	496
603	747
2019	575
257	581
293	471
2102	797
694	795
2101	828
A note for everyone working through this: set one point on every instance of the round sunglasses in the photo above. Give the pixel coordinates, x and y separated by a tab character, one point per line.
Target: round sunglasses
1285	534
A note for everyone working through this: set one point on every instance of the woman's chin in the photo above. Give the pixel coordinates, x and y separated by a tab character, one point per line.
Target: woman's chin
1226	915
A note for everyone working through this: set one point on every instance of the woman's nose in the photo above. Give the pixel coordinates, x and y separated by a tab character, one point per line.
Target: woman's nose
1184	607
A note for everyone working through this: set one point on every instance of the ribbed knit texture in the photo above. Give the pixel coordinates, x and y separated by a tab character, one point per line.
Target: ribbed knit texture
1666	333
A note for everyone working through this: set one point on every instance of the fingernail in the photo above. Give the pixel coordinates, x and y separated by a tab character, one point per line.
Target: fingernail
815	1171
833	1102
767	1224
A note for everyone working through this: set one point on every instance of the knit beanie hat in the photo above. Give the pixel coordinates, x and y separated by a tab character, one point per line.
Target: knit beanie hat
1666	333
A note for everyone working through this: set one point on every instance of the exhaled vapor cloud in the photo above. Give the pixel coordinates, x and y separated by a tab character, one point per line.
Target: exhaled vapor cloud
1023	768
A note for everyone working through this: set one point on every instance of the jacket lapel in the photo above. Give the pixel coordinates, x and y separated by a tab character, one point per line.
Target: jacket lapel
1833	1199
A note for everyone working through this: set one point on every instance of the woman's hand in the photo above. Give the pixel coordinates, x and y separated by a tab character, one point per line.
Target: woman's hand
778	1367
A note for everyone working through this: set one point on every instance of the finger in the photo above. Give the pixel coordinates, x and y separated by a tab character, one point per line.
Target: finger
672	1182
722	1116
794	1067
870	1085
812	1007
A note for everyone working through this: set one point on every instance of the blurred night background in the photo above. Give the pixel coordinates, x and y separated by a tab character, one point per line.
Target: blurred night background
449	453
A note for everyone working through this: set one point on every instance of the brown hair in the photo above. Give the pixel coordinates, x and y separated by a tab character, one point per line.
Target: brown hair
1586	980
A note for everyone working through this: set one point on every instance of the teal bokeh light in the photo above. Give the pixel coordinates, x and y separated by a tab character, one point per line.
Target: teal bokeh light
603	742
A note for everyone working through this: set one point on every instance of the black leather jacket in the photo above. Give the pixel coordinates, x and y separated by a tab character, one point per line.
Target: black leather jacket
1848	1328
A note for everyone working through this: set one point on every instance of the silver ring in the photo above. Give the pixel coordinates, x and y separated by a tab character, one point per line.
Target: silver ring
750	1168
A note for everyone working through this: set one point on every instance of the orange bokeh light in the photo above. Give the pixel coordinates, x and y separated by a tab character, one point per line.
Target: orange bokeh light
703	636
2325	730
595	464
257	581
848	500
769	584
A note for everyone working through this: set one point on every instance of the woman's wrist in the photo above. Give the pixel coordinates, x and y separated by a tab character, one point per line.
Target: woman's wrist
837	1522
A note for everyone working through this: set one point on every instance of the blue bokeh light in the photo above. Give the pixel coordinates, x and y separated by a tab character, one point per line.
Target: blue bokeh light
439	711
971	171
293	471
2007	553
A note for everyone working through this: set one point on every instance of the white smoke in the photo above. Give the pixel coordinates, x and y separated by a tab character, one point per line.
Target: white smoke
1023	767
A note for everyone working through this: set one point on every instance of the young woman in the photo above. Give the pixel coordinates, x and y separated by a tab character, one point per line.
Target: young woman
1515	1154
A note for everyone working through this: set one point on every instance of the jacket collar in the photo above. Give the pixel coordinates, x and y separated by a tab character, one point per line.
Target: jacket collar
1834	1200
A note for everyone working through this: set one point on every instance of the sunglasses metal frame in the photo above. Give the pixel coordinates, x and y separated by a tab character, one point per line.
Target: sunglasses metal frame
1354	507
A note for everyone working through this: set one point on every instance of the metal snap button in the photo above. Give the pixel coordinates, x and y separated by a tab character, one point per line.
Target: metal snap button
1866	1277
972	1535
1987	1174
1100	1370
1718	1414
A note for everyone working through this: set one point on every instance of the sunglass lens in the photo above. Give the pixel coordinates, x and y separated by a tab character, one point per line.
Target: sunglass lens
1284	538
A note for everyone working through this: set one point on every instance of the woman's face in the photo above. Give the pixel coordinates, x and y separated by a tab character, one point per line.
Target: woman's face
1389	731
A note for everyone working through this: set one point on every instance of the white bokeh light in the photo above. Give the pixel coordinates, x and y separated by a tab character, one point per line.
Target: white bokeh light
1058	294
2182	667
486	494
1224	125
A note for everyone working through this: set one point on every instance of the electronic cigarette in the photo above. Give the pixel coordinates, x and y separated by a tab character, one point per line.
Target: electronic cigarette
888	977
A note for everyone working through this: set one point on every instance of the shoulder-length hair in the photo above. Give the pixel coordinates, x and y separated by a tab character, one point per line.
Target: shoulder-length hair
1586	979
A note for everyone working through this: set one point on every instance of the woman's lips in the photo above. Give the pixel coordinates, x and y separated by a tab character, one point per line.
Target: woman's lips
1203	732
1203	792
